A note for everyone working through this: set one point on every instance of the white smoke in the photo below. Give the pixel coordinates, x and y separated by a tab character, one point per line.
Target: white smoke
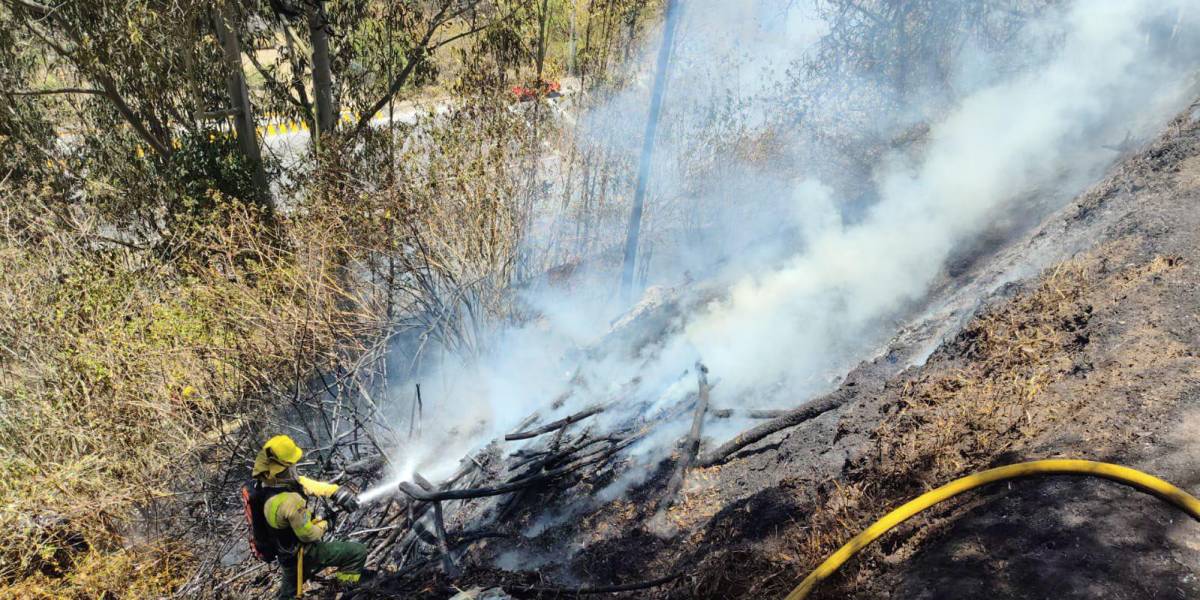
1034	130
1090	72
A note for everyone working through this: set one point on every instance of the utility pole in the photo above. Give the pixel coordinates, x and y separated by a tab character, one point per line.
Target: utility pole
225	24
643	178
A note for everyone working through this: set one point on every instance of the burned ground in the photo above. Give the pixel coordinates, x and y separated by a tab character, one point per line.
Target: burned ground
1094	357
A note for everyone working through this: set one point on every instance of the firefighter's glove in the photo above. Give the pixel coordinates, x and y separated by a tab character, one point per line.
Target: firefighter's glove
327	516
346	499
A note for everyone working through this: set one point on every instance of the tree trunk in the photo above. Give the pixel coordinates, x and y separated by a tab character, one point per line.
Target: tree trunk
571	49
239	98
541	54
296	63
318	31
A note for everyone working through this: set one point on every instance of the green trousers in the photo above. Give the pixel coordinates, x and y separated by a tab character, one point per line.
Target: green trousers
348	557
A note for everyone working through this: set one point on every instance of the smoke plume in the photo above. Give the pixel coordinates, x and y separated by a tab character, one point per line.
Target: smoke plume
790	282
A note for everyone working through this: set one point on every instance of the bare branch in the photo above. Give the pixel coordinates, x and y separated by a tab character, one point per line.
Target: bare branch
691	445
70	90
417	55
579	416
790	419
109	91
272	83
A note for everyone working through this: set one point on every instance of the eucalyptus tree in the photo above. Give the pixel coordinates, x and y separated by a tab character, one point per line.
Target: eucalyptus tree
336	64
131	88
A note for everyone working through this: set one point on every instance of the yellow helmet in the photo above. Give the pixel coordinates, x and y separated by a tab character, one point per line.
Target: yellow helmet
275	458
284	450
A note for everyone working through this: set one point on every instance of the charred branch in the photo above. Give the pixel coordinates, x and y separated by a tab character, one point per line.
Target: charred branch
732	413
791	419
691	445
417	493
439	522
575	418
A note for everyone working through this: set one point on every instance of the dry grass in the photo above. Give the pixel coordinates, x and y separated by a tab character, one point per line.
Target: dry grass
118	364
995	393
142	572
131	377
949	422
698	501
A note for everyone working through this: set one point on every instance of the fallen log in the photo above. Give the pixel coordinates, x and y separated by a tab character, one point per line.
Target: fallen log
790	419
547	428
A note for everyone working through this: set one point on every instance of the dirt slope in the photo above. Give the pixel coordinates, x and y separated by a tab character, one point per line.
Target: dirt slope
1125	389
1097	357
1094	357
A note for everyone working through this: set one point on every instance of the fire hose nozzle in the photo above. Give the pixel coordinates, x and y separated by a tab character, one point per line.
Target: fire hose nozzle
346	499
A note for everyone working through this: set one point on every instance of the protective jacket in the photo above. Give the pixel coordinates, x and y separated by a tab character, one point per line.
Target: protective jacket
288	512
278	497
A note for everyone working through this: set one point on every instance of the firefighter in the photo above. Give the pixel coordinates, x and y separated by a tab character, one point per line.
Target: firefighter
284	528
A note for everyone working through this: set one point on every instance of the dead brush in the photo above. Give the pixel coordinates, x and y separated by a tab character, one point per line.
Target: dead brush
439	221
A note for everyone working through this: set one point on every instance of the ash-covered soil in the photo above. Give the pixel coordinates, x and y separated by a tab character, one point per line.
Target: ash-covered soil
1095	358
1093	353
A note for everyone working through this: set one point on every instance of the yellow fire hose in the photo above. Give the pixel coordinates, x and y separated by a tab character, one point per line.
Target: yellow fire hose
1131	477
300	571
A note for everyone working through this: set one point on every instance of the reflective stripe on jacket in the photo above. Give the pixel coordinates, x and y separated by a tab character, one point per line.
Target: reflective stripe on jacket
288	509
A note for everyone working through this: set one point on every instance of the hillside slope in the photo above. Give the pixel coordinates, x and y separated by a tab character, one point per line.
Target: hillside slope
1093	353
1079	339
1124	386
1096	357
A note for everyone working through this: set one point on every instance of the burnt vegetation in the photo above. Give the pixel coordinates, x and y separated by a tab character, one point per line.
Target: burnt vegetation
180	279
